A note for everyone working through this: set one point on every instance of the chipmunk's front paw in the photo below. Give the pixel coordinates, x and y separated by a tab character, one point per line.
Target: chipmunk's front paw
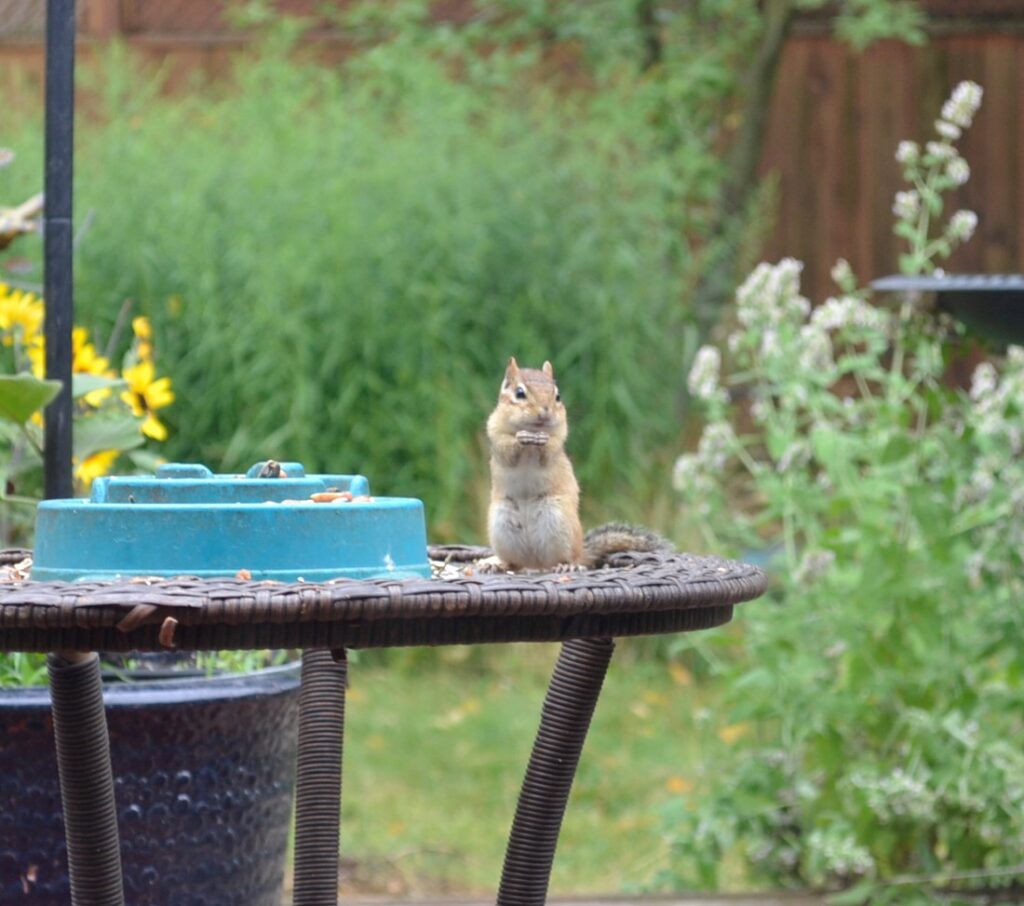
569	568
491	566
532	438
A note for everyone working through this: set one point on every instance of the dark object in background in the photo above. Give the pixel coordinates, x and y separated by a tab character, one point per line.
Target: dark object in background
989	305
203	773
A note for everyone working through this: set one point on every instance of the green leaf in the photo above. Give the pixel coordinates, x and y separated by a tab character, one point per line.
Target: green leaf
102	432
906	230
23	394
910	264
855	896
81	384
146	460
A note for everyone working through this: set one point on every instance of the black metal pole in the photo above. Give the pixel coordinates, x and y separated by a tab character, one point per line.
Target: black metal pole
60	118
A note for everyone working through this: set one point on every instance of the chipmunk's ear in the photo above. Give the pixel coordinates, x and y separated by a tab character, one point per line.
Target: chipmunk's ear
548	370
511	373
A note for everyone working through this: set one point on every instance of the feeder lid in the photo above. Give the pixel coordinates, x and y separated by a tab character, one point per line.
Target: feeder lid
185	520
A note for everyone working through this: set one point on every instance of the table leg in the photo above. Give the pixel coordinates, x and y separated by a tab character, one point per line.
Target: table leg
318	784
86	780
568	708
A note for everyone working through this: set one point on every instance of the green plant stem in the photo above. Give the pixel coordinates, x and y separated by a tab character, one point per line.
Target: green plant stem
27	435
18	499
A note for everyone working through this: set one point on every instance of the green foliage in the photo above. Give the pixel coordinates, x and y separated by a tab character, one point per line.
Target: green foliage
862	22
339	263
19	669
22	394
880	687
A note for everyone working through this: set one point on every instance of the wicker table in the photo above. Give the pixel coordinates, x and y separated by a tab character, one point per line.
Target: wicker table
637	595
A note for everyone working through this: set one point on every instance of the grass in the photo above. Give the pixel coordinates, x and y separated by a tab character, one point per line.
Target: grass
434	757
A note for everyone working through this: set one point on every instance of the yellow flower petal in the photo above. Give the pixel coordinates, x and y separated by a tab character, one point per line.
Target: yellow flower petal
139	376
20	312
680	675
96	465
153	427
679	785
733	733
37	357
97	398
159	394
135	401
142	328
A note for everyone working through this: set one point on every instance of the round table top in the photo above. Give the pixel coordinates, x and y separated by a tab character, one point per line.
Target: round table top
639	594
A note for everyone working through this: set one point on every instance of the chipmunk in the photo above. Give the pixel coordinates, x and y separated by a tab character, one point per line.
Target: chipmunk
533	519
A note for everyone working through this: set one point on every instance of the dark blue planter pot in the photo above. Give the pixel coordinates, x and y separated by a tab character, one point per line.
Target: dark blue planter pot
204	770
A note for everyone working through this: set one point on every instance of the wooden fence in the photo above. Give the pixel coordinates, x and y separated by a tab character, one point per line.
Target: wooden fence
835	120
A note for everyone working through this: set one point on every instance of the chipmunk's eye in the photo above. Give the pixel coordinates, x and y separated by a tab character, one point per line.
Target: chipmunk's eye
558	397
520	392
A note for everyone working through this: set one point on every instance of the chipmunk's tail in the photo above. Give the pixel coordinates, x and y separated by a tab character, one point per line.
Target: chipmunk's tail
619	537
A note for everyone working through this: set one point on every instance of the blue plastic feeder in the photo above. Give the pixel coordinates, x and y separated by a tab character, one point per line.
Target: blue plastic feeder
188	521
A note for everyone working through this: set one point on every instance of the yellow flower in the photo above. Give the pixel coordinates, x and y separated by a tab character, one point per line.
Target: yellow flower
36	353
96	465
733	733
142	328
86	360
143	331
145	394
18	309
680	675
679	785
153	427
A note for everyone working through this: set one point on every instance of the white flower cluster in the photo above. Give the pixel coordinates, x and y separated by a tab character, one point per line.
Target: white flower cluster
963	103
962	225
995	400
937	170
815	349
770	296
705	373
695	474
690	477
958	171
843	276
839	853
845	312
941	151
896	796
908	153
984	381
907	205
716	444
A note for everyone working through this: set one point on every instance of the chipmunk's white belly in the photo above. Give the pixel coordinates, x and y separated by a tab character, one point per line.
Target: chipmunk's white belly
530	532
